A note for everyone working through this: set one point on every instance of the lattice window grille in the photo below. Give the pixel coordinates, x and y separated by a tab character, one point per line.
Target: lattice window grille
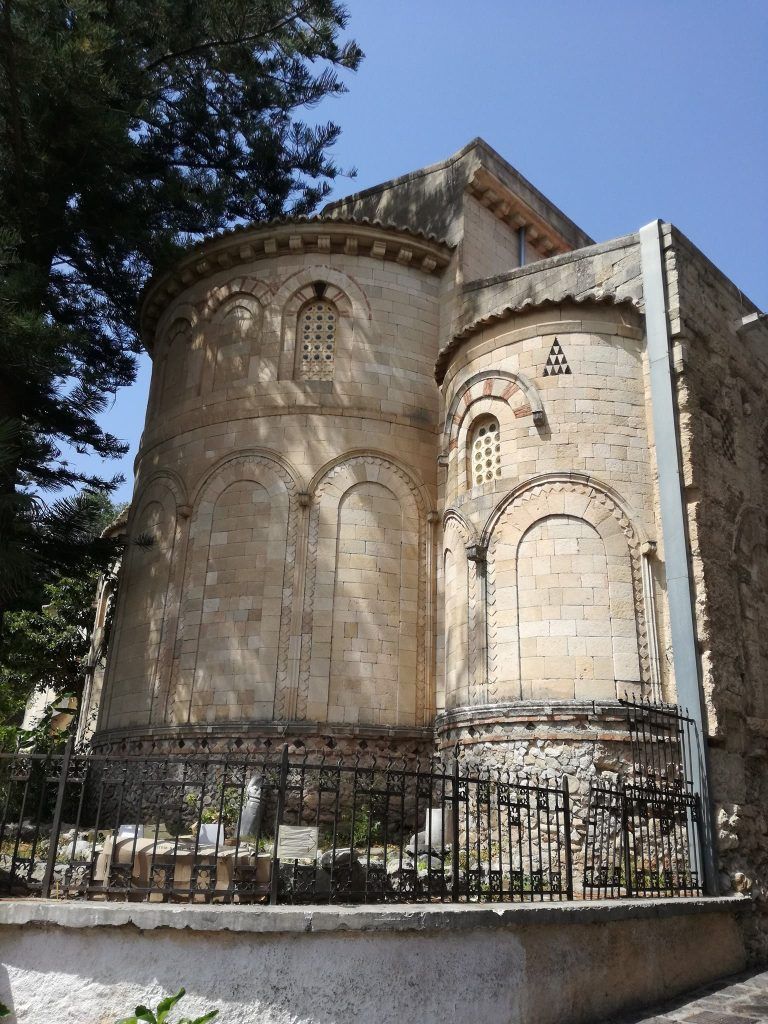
486	452
318	323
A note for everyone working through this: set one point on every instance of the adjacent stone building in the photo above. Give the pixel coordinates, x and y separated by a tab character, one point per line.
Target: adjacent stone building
435	468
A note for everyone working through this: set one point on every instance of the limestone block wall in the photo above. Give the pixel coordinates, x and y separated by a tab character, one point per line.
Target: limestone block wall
489	245
608	269
287	479
723	411
551	512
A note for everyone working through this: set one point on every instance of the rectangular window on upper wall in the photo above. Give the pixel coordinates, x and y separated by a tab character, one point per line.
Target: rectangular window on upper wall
316	340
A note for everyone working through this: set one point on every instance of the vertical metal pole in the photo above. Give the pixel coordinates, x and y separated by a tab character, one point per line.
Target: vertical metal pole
521	245
455	838
56	826
625	840
567	830
677	548
281	786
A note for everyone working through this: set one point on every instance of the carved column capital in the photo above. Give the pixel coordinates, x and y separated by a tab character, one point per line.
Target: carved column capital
476	553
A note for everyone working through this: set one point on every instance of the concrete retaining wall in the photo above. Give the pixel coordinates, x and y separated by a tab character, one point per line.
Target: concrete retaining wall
559	964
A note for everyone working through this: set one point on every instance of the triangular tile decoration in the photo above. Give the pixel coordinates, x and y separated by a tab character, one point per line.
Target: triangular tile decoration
556	361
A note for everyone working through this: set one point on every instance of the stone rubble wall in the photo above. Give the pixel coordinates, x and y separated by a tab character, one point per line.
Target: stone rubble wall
545	745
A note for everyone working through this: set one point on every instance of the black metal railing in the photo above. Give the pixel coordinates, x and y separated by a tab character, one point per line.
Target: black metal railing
284	828
644	831
279	829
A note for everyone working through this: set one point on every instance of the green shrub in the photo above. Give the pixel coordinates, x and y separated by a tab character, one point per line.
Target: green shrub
143	1015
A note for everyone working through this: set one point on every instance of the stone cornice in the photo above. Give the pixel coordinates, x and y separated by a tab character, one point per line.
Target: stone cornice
246	735
503	203
316	235
591	298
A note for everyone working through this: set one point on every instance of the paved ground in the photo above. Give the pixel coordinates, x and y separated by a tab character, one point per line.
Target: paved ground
742	999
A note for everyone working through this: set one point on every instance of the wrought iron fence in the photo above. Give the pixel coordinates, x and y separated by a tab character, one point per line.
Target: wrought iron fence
279	828
644	833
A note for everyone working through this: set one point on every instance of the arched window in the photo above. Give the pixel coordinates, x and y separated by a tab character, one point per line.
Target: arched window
235	336
316	339
176	362
484	454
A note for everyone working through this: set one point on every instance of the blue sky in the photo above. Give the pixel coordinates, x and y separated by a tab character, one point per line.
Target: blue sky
618	112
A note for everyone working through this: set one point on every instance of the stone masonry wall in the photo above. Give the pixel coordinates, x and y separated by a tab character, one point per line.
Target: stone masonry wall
288	578
723	409
564	517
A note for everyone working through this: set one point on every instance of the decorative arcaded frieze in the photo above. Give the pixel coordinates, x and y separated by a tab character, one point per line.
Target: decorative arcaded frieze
399	245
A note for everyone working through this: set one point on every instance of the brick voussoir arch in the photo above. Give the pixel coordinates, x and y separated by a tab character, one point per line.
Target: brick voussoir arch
308	293
281	467
326	489
452	516
341	289
346	295
365	463
517	390
186	319
606	499
166	477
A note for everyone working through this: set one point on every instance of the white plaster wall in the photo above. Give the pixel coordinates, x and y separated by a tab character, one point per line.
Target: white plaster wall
560	972
93	977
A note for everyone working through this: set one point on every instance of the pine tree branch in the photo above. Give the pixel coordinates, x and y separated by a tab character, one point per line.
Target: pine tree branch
17	132
216	44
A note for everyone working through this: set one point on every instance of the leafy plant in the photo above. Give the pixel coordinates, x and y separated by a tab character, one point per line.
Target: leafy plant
4	1011
123	139
226	810
363	822
47	649
143	1015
